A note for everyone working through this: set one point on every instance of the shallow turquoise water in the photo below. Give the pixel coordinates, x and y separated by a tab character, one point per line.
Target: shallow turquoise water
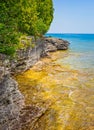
64	84
81	50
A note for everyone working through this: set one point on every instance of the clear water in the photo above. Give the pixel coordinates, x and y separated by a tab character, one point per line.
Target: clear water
81	50
64	85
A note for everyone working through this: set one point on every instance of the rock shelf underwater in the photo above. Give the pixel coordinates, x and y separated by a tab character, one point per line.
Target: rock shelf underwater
66	93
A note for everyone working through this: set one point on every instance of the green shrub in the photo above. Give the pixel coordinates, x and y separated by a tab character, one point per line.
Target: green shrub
21	17
8	50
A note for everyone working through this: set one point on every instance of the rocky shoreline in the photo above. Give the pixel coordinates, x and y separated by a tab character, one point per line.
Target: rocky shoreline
14	114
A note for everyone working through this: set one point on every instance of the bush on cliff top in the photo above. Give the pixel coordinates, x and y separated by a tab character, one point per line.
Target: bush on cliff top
23	17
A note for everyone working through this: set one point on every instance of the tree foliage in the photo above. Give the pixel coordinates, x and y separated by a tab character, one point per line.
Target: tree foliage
19	17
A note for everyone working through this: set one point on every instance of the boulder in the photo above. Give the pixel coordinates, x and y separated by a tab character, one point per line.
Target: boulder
54	44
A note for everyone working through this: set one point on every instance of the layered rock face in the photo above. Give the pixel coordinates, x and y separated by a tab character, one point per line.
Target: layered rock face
11	100
26	58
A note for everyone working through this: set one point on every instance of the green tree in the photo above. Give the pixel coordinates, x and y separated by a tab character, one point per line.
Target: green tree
21	17
45	9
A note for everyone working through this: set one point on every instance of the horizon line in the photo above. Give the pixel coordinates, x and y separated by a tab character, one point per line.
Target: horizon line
66	33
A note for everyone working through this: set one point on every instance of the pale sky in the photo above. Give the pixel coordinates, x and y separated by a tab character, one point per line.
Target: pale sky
73	16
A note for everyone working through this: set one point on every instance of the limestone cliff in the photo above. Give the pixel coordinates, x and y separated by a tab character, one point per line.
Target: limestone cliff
14	115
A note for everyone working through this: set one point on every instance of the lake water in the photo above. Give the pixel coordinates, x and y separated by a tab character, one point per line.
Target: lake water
81	50
64	84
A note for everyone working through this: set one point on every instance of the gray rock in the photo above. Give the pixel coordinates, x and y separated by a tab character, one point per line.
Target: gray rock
11	102
26	58
54	44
